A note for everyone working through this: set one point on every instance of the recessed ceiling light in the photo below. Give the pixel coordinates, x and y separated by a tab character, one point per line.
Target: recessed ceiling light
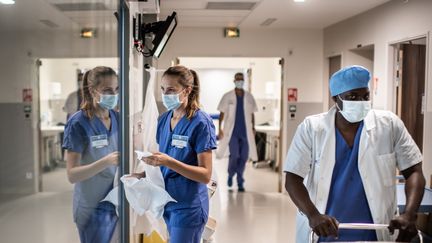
299	1
8	2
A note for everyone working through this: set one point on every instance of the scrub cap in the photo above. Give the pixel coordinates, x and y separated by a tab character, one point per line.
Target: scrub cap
349	78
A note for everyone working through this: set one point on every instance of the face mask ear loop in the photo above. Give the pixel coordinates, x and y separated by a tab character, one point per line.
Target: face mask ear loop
337	103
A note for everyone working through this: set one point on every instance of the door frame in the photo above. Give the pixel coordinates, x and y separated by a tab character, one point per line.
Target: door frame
392	67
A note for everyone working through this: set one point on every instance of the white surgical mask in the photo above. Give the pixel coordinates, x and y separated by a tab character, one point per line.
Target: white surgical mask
108	102
239	84
171	101
354	111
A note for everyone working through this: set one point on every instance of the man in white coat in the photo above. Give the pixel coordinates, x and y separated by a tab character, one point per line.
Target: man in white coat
341	167
237	133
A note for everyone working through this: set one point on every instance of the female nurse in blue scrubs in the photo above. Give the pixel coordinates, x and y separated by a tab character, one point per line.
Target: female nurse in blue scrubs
92	155
186	138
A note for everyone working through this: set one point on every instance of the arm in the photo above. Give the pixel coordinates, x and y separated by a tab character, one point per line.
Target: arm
201	173
253	122
322	225
414	189
77	173
221	117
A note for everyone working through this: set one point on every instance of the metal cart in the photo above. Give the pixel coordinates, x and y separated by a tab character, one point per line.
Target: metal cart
362	227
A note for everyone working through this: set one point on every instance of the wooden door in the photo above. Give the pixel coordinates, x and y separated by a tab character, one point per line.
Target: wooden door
412	89
334	66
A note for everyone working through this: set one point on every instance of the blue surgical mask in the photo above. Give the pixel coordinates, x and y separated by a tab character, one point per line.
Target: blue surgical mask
239	84
354	111
108	102
171	101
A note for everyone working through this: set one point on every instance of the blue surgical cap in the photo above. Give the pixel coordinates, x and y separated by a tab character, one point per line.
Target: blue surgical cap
349	78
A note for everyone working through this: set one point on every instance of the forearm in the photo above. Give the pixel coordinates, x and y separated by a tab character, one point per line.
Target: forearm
221	118
414	190
195	173
84	172
299	194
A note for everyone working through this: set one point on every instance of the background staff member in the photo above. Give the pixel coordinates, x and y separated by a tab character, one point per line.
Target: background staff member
92	155
186	138
237	109
348	157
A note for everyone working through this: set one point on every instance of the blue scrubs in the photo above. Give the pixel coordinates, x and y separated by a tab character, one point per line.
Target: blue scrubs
238	145
95	220
185	219
347	199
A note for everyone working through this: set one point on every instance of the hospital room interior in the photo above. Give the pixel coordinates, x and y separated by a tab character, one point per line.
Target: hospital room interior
214	111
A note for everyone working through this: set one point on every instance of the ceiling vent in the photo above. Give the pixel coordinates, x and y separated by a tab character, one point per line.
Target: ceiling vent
230	5
268	21
81	6
48	23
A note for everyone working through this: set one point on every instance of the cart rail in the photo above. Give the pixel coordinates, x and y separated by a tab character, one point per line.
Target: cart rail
357	226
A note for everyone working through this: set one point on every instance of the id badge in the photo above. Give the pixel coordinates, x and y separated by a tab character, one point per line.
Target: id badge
99	141
179	141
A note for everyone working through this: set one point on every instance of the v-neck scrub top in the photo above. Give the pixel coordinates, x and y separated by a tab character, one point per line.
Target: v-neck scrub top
79	133
184	143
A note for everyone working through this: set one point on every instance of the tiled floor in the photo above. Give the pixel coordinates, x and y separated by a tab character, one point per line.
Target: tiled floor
260	215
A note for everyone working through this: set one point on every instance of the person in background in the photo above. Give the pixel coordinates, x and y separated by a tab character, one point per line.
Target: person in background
237	109
186	138
74	99
91	144
341	167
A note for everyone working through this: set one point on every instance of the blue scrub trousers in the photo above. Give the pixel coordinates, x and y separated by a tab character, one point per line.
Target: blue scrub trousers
239	152
101	225
185	235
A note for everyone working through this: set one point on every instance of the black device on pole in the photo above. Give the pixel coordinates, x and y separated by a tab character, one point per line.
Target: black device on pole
162	31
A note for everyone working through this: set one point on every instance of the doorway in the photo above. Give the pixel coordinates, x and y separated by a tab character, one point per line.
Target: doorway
410	70
59	80
335	63
263	79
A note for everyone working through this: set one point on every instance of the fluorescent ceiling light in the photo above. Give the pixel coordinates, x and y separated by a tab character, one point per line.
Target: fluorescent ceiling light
299	1
8	2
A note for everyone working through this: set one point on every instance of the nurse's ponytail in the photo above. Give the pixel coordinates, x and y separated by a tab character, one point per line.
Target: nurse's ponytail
187	78
193	98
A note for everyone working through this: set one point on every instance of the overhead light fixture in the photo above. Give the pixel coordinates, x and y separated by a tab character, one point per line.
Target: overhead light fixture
88	33
299	1
232	32
7	2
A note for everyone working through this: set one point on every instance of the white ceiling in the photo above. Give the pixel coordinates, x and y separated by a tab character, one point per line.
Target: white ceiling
317	14
26	15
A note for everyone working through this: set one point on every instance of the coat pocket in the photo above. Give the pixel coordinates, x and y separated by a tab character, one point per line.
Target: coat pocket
387	168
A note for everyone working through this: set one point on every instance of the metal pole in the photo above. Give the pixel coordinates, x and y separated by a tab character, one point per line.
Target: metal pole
123	48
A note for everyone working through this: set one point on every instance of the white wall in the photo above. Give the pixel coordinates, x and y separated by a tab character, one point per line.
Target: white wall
63	72
386	24
217	75
303	68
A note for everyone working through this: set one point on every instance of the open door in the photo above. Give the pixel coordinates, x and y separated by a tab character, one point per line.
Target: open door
335	63
410	91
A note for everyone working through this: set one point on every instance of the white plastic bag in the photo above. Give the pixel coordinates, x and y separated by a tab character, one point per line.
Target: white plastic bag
143	195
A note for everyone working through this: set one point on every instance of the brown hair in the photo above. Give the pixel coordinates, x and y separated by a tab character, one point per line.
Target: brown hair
187	78
91	80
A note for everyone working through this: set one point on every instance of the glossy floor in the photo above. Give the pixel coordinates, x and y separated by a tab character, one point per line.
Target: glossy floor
259	215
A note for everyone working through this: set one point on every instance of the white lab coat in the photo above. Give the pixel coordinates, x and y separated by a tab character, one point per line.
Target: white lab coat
228	105
385	145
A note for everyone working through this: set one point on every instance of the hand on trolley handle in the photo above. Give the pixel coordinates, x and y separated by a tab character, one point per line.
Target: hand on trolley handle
357	226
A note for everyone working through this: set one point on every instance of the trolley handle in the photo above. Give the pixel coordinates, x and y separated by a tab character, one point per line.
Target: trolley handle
357	226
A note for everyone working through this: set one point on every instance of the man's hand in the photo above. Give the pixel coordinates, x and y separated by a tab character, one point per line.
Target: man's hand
324	225
406	225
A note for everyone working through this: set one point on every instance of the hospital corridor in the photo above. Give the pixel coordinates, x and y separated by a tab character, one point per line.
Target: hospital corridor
215	121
